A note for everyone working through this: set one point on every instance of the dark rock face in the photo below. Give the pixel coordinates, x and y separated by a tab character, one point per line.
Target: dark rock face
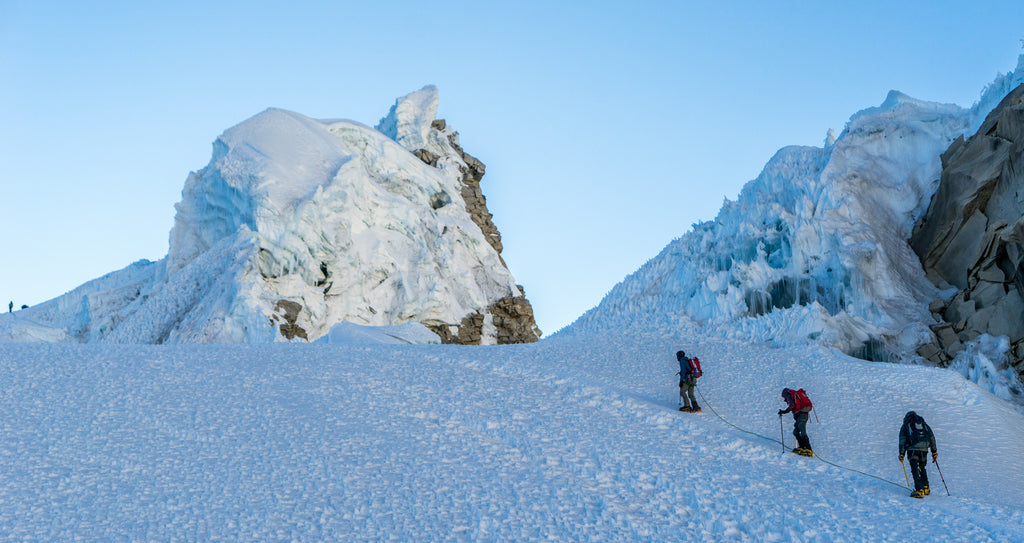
288	311
476	204
972	237
512	316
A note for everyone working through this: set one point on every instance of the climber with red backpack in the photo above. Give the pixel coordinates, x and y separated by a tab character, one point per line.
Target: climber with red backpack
689	372
800	405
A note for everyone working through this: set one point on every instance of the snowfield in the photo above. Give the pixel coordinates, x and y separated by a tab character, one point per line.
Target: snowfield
572	438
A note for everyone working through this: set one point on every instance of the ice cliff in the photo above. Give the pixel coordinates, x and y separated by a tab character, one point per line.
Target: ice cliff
815	249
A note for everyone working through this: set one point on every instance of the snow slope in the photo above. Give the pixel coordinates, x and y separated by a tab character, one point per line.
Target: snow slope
566	439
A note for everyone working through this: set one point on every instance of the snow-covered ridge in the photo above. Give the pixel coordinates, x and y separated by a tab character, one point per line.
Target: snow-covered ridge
814	250
297	224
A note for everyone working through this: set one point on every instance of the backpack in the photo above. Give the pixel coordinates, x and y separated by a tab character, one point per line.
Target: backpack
801	403
689	370
695	367
918	438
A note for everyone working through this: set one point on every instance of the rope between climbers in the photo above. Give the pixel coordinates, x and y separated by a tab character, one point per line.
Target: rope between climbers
720	417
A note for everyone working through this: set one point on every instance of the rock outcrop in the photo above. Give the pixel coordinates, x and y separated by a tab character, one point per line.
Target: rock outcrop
971	240
510	320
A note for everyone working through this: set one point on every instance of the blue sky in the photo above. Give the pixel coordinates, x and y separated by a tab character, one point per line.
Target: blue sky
607	128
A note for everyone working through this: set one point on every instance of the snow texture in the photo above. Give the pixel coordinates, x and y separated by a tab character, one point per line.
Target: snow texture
346	333
332	215
566	439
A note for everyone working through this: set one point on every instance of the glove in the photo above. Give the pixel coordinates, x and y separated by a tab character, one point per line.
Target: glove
935	457
781	412
901	459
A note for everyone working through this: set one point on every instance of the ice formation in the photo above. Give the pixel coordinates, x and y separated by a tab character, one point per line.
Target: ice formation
297	224
814	250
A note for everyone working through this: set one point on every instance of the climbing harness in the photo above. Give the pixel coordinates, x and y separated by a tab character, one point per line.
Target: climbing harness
816	455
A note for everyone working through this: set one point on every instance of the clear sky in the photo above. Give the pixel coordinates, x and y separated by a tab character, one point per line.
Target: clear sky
607	128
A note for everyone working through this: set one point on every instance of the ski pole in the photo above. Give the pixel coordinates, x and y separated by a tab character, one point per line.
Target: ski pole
936	462
815	411
905	472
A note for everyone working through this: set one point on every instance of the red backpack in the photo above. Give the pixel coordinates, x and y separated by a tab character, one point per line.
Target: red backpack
695	367
800	401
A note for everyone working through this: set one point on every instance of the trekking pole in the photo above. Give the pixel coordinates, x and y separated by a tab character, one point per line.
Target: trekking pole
936	462
905	472
782	435
815	411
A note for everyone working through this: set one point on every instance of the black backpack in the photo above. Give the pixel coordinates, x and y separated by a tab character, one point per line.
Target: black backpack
919	435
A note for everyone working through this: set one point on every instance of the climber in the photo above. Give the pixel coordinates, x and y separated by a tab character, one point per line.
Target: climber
916	438
689	372
800	405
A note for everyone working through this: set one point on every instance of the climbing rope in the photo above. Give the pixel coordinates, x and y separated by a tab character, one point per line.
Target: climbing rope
816	455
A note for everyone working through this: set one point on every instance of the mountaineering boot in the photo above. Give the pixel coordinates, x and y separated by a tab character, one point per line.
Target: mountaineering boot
917	494
927	491
695	409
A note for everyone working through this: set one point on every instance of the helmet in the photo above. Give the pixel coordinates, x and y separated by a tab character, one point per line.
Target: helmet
680	355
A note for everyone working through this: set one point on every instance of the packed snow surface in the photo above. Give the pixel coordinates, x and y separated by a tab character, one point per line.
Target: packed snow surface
566	439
